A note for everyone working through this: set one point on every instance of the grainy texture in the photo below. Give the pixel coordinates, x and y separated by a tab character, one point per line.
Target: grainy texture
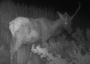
8	12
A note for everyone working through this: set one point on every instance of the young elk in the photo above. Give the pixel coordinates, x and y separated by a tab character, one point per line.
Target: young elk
24	29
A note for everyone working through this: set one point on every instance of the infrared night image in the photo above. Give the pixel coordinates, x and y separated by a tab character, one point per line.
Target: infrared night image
44	32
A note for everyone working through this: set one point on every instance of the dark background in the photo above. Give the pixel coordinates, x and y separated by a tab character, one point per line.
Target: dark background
69	6
62	5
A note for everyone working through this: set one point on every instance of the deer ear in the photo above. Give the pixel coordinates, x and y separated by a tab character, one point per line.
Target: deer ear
63	17
68	18
60	15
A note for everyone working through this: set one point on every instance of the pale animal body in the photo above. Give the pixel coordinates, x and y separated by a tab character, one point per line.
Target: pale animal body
28	29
